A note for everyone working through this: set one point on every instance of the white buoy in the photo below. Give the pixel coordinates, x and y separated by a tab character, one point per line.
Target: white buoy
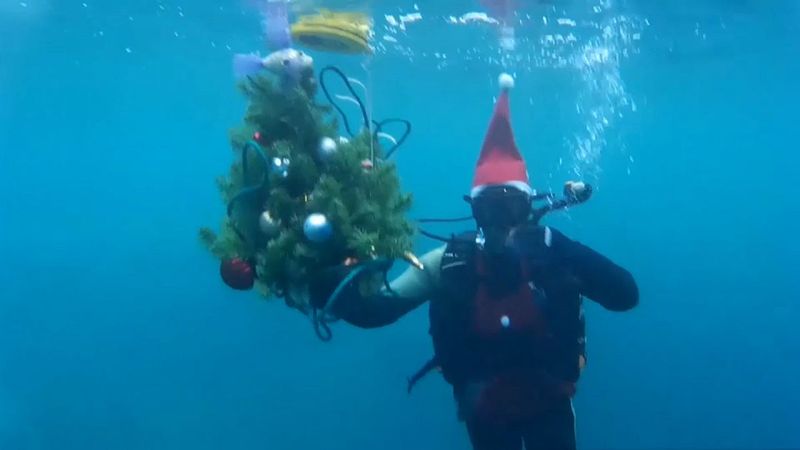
505	321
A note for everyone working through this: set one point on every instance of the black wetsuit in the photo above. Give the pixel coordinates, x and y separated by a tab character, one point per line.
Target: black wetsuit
565	271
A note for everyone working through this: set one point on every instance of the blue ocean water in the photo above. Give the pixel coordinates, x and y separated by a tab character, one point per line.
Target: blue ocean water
117	333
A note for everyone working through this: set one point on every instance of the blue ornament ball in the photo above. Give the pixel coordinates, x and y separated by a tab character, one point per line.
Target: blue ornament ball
317	228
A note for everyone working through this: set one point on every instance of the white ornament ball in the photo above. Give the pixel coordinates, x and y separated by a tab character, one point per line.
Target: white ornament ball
267	224
327	147
343	140
281	166
506	81
317	228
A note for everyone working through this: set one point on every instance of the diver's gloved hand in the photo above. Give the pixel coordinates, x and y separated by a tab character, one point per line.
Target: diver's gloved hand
534	242
366	279
577	191
543	250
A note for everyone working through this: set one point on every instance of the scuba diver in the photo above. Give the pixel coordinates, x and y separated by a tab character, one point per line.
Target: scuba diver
505	303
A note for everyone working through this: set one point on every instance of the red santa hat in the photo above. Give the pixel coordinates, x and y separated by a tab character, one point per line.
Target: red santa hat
500	162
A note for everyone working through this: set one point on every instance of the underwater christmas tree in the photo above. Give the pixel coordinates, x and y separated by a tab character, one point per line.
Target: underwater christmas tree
299	198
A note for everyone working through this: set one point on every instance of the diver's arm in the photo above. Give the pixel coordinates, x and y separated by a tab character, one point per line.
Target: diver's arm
408	291
598	278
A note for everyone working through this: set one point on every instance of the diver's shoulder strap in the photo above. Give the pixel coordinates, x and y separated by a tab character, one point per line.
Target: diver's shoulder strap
536	234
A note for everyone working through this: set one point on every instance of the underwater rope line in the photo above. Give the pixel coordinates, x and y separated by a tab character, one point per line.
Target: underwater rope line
375	127
387	136
397	142
249	190
320	318
347	98
359	84
372	133
349	87
321	328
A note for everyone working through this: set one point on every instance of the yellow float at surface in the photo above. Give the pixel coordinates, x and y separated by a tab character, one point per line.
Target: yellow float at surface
335	32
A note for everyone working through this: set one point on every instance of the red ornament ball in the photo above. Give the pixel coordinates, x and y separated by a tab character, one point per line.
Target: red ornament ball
367	164
257	135
237	274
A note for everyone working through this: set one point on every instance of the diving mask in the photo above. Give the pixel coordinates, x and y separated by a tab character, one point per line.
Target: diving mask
501	207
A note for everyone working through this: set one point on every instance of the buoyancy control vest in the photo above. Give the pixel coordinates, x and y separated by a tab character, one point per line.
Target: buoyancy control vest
501	314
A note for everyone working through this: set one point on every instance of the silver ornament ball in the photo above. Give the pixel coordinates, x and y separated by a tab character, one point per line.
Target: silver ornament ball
267	224
327	147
